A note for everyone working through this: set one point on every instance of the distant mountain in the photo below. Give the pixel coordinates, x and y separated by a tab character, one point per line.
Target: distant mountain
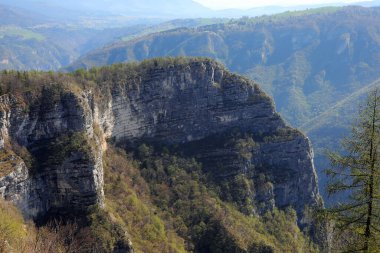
51	47
338	119
161	9
308	61
303	61
29	40
328	129
15	16
166	9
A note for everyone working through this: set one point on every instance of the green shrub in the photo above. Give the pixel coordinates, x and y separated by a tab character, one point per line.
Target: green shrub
12	231
128	200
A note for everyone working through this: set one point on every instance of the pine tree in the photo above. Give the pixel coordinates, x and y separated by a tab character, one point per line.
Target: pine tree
357	173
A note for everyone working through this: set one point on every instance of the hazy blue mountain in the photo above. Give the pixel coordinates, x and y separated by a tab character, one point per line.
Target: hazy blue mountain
328	129
32	41
15	16
50	48
162	9
135	8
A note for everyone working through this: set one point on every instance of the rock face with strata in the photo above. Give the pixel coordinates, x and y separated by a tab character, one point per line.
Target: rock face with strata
69	183
178	104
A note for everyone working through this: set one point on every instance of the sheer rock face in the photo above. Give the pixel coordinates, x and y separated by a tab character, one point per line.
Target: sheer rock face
172	105
178	105
181	104
289	164
15	186
69	184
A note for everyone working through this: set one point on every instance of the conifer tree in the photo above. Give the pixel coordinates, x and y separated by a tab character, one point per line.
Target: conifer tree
356	173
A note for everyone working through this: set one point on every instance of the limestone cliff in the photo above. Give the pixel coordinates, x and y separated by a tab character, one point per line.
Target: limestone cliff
189	104
62	177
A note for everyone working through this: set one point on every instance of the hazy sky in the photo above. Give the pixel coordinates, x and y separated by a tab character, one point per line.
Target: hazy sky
246	4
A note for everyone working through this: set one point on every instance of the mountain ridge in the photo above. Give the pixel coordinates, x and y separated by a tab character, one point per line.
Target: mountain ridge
148	108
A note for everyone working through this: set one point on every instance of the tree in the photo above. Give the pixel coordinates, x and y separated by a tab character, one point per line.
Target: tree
357	173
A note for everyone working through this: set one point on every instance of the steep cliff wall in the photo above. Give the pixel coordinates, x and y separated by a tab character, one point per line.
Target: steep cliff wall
180	104
53	134
190	104
177	104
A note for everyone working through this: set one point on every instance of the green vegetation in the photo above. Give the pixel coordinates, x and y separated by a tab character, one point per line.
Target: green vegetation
55	151
175	24
129	202
105	234
164	203
12	230
8	161
180	192
286	133
357	172
30	85
285	16
24	34
100	234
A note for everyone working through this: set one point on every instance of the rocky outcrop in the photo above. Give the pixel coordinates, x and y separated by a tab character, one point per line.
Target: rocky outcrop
57	179
177	105
182	103
288	163
14	185
278	164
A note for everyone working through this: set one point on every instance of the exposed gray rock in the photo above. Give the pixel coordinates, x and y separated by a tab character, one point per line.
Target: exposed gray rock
15	186
174	104
289	164
178	104
75	182
182	104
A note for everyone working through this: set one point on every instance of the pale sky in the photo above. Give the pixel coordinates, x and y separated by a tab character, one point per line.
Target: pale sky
246	4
